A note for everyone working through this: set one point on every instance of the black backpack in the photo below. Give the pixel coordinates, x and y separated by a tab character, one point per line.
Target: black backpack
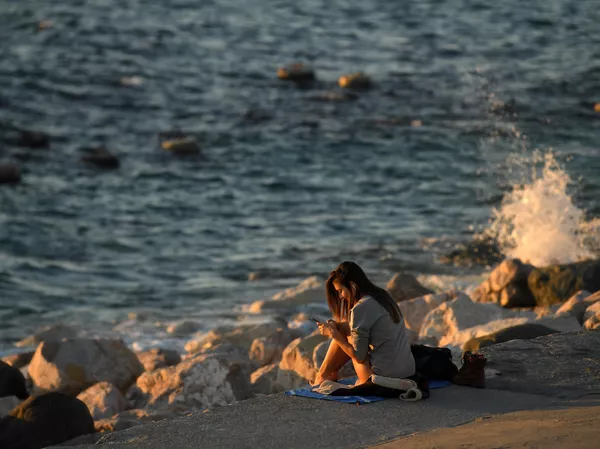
434	363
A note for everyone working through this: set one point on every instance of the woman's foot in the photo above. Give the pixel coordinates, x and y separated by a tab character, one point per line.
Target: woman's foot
320	377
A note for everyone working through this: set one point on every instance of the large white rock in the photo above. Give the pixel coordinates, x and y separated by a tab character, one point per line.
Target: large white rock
404	286
575	305
267	350
103	400
311	290
192	385
456	341
242	336
298	359
72	365
592	310
415	310
462	313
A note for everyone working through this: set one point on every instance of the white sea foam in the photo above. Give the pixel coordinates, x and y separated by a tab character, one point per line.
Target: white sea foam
537	220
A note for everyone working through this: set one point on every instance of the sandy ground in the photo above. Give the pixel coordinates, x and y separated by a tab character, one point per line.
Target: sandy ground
573	428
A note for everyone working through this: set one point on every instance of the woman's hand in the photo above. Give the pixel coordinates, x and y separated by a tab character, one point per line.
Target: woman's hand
328	329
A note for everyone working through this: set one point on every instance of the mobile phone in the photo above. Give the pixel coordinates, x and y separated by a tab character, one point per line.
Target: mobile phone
315	320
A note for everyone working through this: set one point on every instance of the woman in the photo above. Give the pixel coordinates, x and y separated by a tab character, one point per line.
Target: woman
368	328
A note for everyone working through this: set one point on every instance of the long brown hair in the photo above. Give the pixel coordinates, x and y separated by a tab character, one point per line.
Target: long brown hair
350	275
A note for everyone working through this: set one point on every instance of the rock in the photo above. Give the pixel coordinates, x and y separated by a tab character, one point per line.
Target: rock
264	380
158	358
564	365
33	139
405	286
557	283
356	80
12	382
457	340
592	310
525	331
18	360
103	400
298	357
184	145
507	285
192	385
45	420
242	336
575	306
296	72
593	322
100	157
561	324
461	313
183	328
129	418
479	251
49	333
7	404
267	350
311	290
414	310
319	353
72	365
9	173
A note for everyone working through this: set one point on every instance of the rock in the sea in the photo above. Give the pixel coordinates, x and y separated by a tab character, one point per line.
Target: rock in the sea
357	80
564	365
186	145
267	350
297	72
33	139
103	400
45	420
507	285
525	331
405	286
311	290
72	365
415	310
264	380
130	418
461	313
49	333
12	382
557	283
158	358
479	251
184	328
298	359
100	157
9	173
18	360
192	385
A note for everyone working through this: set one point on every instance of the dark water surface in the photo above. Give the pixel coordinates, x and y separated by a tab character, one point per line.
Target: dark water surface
290	183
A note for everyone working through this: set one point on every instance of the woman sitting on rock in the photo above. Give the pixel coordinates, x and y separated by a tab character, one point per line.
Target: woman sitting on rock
368	328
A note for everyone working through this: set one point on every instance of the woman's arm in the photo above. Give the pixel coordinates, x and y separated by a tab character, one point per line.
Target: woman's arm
340	333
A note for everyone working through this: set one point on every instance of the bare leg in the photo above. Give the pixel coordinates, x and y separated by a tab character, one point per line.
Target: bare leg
336	358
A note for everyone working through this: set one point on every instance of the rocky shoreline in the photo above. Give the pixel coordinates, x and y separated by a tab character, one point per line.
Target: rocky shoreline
123	389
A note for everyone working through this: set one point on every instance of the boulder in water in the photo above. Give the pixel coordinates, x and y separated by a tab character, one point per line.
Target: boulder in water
357	81
10	173
45	420
100	157
298	72
507	285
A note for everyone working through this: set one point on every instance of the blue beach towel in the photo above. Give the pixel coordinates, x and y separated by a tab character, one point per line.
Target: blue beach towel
308	393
